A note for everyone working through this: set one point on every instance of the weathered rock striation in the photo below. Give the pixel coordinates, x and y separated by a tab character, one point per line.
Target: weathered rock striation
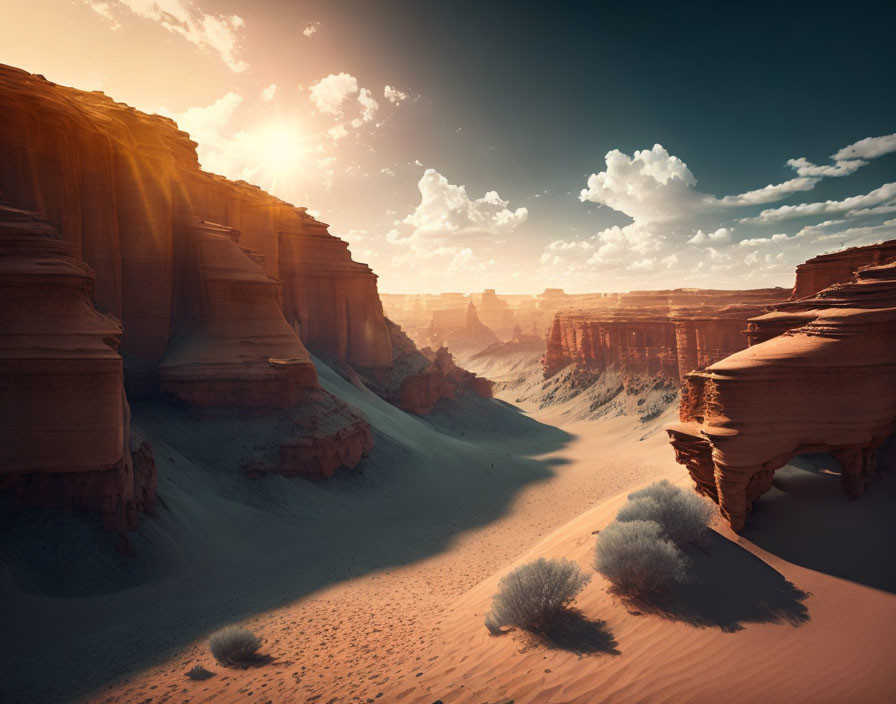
64	437
118	184
827	385
233	347
828	269
209	292
420	379
656	333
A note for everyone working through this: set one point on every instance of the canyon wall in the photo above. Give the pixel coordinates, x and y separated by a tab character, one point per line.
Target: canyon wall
118	183
657	333
820	376
828	269
128	269
64	437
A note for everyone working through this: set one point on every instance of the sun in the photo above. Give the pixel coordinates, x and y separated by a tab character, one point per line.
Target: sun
282	155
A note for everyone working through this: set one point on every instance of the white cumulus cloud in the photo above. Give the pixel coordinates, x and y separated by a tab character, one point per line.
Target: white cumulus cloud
393	95
212	33
268	93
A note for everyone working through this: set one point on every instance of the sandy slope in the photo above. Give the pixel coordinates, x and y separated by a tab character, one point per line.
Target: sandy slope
346	580
757	629
373	588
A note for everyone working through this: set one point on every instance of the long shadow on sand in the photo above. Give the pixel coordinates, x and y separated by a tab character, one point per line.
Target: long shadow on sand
731	588
225	547
577	634
808	520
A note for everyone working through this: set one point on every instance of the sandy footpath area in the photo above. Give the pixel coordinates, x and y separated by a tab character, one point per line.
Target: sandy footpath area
355	640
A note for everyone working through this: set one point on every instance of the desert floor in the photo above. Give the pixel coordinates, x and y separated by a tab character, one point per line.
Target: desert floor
374	588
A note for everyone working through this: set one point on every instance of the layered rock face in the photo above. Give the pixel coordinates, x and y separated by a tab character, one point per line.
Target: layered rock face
64	437
420	379
828	269
657	333
233	347
118	183
213	287
828	385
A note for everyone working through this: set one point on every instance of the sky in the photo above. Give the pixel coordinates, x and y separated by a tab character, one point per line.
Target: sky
518	146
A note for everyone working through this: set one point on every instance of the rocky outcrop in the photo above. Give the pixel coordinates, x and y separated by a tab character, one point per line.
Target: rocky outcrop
64	437
828	385
828	269
208	289
118	183
417	380
233	347
656	333
460	330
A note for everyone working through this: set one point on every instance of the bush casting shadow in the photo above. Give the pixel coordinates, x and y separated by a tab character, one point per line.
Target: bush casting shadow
572	632
262	542
730	587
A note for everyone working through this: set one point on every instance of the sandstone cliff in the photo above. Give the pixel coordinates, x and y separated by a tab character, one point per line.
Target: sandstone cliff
64	437
828	269
209	290
119	184
827	385
657	333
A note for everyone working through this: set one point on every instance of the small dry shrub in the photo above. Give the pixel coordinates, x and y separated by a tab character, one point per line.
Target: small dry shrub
534	595
682	515
637	558
234	645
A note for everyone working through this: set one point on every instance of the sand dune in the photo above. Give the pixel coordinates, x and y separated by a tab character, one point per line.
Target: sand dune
374	587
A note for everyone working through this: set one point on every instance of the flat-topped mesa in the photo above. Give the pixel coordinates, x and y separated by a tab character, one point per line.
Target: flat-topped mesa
233	347
58	358
828	269
828	385
658	333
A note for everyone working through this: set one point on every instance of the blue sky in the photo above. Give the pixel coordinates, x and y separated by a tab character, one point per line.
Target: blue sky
594	146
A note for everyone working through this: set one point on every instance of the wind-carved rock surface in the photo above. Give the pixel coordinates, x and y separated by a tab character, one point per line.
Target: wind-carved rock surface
655	333
828	269
233	346
118	183
418	379
826	385
214	289
64	436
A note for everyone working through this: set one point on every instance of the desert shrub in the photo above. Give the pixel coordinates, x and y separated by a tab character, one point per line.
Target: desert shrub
638	559
683	515
234	645
534	595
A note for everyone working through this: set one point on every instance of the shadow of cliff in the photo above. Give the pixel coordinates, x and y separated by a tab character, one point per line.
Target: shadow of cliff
225	547
731	588
807	519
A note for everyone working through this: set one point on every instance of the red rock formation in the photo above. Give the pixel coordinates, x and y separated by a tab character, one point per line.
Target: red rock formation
117	183
418	380
829	269
211	313
460	330
826	386
58	358
658	333
233	346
